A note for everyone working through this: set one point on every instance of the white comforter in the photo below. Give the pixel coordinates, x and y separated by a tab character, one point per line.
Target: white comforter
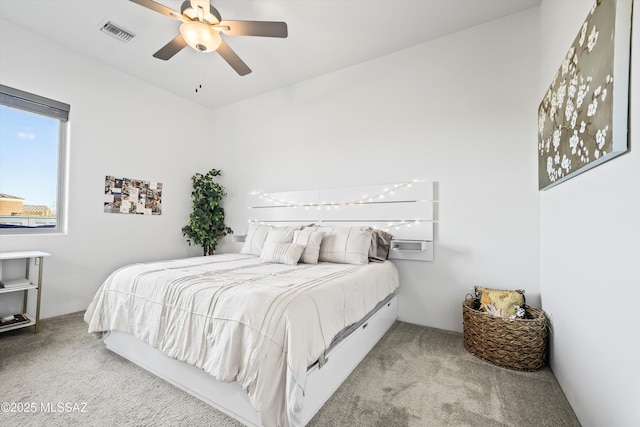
242	320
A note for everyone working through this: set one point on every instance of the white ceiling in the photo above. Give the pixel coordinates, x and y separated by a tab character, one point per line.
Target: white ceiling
324	36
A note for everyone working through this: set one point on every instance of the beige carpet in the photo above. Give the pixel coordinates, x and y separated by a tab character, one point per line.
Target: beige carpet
415	376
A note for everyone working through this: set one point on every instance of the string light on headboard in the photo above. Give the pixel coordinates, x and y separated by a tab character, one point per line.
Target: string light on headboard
363	200
409	214
390	226
396	225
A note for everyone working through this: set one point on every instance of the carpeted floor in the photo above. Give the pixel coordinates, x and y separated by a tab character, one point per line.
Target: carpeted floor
415	376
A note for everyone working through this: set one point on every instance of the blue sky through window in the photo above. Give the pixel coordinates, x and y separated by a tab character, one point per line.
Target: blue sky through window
29	156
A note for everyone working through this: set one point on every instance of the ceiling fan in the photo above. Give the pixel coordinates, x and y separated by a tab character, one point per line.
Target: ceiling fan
201	28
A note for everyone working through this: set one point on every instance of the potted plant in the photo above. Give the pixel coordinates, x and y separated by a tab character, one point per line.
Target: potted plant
206	222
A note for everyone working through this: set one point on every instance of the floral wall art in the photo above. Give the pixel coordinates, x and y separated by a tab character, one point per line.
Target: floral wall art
583	117
132	196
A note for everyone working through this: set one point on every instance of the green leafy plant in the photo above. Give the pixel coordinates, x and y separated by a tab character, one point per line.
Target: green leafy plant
206	222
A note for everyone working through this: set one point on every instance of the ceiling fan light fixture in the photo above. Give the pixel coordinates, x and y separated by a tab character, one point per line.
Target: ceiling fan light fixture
201	27
200	36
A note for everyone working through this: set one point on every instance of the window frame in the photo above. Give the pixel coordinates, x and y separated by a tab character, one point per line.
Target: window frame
31	103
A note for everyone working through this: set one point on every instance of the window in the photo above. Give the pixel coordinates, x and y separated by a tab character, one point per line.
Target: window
32	162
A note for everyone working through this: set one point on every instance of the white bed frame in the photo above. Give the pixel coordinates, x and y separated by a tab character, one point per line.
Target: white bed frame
230	398
407	210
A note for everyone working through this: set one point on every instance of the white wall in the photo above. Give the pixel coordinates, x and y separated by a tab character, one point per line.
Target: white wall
119	126
590	247
459	110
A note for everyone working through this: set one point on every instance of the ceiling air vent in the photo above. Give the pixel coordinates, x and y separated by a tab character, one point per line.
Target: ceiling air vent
117	31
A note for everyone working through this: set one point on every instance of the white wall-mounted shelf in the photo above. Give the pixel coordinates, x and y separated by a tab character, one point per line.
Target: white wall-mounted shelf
413	250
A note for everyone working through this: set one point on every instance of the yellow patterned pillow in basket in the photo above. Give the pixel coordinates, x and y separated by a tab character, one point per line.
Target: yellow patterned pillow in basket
502	303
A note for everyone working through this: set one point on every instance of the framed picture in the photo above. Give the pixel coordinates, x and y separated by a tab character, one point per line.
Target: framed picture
132	196
583	116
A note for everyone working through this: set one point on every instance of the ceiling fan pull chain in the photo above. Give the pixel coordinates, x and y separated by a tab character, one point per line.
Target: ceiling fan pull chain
199	68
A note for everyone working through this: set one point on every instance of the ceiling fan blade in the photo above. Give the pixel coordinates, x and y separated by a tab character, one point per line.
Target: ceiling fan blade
255	28
171	48
233	59
157	7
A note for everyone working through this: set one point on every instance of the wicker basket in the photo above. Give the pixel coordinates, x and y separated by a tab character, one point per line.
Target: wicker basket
519	344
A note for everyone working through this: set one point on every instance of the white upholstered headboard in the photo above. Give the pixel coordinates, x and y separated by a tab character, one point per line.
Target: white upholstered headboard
407	210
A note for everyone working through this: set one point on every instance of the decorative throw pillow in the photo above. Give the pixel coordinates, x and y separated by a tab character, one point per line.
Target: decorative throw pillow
259	234
311	241
380	243
502	303
282	253
256	235
345	245
280	235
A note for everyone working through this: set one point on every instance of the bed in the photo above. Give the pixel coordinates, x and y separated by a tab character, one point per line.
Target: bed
242	320
258	335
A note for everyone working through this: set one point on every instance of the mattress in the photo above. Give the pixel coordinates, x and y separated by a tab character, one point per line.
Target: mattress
240	319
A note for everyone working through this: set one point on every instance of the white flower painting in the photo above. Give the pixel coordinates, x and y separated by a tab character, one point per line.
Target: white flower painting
576	122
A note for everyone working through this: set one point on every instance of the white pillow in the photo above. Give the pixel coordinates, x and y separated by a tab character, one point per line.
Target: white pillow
280	235
345	245
311	240
282	253
256	236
